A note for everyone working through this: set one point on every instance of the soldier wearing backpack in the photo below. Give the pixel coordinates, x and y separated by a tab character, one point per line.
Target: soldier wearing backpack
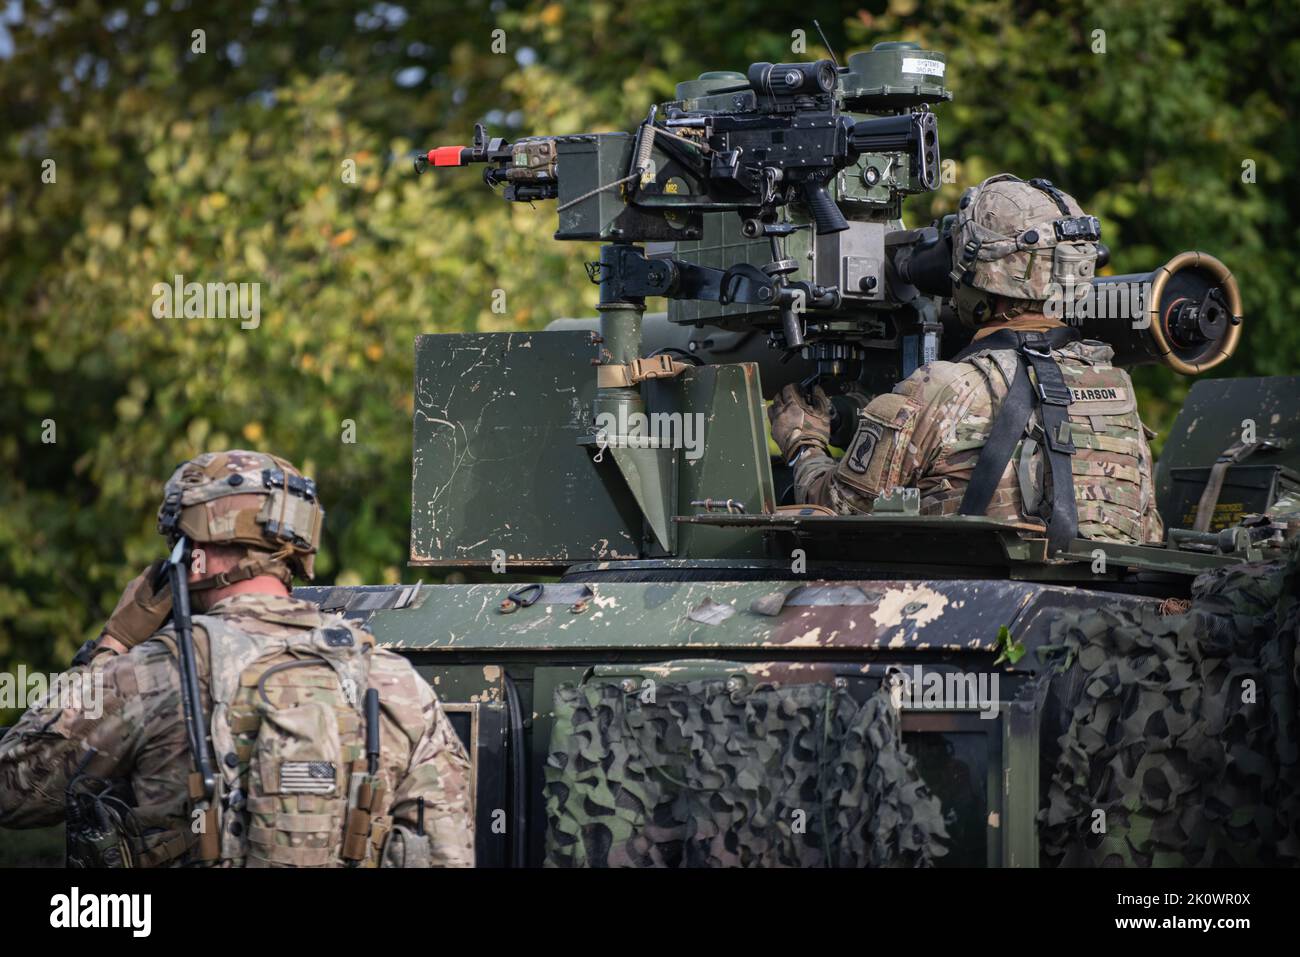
311	747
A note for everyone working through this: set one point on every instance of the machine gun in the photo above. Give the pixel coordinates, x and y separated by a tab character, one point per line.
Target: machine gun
759	146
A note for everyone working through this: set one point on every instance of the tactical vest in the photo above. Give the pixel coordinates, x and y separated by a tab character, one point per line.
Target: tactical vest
1072	422
288	732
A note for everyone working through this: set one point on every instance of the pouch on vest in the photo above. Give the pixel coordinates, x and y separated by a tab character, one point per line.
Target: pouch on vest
405	848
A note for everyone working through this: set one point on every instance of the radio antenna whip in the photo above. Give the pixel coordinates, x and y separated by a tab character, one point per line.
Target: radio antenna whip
827	44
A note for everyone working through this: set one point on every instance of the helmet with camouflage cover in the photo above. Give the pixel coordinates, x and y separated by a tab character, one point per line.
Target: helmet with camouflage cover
245	498
1024	241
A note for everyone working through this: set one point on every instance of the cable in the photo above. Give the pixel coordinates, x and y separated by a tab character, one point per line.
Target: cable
518	769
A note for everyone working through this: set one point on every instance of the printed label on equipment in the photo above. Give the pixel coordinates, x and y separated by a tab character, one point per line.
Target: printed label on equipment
923	67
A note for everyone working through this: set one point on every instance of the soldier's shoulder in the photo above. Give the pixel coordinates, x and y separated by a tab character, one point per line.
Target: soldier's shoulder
145	672
1092	351
391	668
942	371
939	379
404	695
360	633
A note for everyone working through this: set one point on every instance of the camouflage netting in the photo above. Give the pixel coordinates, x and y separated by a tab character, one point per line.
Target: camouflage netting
797	776
1181	729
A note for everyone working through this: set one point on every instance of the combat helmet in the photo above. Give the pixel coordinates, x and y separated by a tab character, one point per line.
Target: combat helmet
245	498
1026	241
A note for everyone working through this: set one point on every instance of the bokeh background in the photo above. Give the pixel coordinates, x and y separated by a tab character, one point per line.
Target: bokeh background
227	165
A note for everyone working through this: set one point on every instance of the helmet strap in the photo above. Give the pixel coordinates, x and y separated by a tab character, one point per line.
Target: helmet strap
249	567
1005	307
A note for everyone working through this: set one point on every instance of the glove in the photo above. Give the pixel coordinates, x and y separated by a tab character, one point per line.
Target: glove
140	611
800	421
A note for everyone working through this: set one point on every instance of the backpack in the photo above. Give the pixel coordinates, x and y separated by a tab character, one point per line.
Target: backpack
289	737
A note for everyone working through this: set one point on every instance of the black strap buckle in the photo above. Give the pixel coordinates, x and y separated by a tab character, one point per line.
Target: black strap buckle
1050	387
1053	394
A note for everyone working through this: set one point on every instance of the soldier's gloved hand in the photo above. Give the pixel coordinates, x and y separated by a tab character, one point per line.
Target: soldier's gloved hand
800	420
140	611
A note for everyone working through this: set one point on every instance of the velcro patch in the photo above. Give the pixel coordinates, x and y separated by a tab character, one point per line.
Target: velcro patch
307	777
337	637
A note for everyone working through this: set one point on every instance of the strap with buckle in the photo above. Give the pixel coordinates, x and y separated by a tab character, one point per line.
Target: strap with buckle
1009	426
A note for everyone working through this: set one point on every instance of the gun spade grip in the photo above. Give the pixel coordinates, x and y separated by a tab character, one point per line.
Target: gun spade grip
825	213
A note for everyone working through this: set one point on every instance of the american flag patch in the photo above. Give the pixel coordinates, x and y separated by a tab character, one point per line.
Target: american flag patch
307	777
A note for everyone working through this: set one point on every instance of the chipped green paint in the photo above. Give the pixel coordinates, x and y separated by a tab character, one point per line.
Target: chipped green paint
670	617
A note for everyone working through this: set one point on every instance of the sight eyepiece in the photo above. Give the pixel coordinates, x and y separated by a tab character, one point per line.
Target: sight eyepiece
792	79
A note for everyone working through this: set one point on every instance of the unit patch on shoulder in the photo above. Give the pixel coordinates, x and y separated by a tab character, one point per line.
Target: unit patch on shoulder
860	454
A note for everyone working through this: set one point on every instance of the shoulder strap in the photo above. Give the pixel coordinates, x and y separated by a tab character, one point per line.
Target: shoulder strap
1012	340
1053	397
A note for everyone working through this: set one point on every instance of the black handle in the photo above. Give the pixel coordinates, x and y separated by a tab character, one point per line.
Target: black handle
825	213
372	730
792	327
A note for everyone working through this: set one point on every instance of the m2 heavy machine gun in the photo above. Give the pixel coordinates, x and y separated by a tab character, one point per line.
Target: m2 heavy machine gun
659	662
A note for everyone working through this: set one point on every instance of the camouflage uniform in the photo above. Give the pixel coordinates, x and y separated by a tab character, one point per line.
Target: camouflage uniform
1010	255
930	430
288	740
138	737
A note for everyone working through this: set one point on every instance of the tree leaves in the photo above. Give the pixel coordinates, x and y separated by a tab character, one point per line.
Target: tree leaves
228	166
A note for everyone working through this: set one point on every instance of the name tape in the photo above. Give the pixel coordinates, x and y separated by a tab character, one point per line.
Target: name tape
1103	394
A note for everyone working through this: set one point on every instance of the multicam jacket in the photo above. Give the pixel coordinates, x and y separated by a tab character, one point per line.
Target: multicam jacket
133	730
929	432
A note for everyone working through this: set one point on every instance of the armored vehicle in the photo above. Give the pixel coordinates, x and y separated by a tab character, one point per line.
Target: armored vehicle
664	661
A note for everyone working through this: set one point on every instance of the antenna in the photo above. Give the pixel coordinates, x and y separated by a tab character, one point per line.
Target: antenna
827	44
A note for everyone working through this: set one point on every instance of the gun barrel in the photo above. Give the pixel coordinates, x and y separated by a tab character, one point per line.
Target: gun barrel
451	156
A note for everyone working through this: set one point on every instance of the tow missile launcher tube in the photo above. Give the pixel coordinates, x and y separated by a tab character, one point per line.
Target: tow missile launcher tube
1190	318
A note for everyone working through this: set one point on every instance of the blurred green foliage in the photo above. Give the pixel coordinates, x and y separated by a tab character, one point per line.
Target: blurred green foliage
231	165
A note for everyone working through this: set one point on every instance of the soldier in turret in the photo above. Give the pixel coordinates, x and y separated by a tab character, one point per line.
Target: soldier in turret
1030	422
